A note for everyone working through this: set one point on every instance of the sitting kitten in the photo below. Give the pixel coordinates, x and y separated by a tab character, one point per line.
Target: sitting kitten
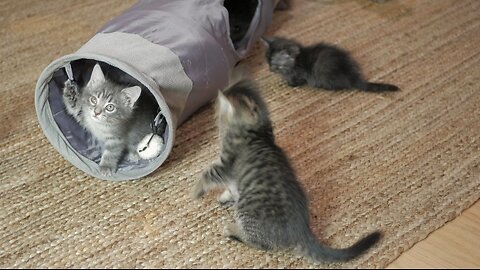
271	209
321	65
109	112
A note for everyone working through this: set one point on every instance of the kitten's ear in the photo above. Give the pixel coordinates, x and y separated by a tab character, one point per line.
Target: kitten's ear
97	76
131	95
224	105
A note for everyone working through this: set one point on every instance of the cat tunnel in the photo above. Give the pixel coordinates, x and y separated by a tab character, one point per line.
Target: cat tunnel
178	51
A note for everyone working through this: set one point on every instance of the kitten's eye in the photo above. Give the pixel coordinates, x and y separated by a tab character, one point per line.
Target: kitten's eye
93	100
110	108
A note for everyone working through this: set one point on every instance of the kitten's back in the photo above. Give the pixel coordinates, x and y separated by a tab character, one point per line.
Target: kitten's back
272	208
337	69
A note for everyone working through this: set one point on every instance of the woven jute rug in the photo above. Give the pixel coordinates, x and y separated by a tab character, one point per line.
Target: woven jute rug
404	162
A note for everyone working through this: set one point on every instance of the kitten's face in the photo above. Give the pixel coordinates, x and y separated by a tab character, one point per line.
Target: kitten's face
241	107
107	103
281	54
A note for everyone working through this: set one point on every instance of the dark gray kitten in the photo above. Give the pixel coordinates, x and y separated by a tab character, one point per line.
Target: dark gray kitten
321	65
240	14
109	112
271	208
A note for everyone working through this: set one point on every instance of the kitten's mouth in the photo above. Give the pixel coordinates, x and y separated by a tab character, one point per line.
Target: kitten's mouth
95	117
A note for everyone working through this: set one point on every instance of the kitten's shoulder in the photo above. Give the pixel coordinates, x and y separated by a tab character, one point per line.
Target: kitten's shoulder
330	50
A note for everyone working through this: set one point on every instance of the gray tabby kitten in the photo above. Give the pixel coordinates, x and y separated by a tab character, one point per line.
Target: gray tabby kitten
271	208
109	112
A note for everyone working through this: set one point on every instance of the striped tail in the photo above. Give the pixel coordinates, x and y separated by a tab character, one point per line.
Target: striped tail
319	252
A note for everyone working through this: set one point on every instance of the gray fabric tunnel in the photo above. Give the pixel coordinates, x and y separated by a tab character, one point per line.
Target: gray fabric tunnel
178	51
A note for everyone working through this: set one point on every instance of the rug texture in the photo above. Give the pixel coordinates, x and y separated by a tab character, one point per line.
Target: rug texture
404	163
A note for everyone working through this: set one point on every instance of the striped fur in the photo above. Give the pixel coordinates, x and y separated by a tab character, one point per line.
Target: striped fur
271	208
110	113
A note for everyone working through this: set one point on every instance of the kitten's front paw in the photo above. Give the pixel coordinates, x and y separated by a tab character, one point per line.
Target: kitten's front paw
293	84
226	199
107	170
71	90
198	191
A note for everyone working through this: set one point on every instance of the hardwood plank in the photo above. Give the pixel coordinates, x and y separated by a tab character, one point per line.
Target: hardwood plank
455	245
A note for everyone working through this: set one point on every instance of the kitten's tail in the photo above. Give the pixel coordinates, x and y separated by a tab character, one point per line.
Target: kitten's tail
378	87
319	252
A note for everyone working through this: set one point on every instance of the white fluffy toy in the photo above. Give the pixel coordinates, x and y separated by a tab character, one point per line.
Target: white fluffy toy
150	146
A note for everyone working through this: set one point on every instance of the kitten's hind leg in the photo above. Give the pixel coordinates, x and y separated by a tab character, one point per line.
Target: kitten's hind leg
132	153
213	177
235	232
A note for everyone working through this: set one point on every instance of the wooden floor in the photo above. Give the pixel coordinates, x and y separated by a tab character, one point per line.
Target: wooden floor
455	245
